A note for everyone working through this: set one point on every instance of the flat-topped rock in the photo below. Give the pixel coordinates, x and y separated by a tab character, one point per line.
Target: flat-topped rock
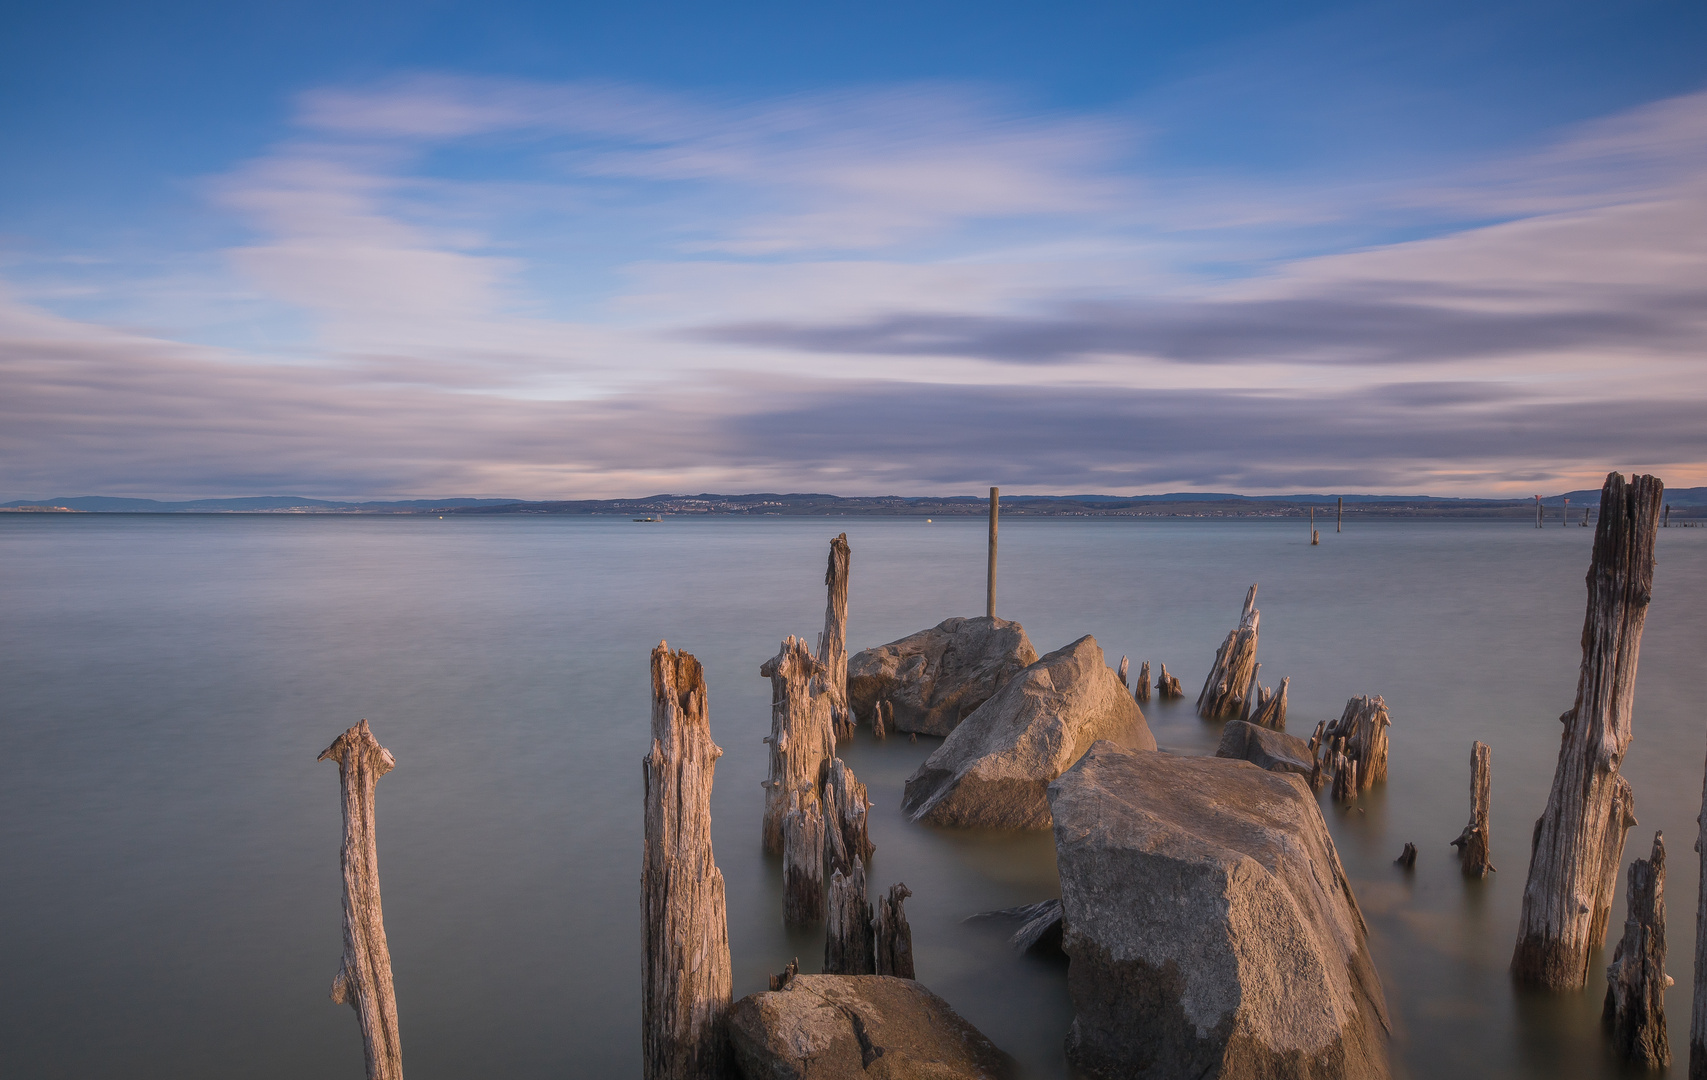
936	677
993	770
1210	926
1265	748
858	1027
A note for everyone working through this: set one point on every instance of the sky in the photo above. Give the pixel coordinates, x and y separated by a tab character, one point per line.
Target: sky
558	250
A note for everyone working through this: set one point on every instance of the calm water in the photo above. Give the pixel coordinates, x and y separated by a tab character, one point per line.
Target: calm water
170	901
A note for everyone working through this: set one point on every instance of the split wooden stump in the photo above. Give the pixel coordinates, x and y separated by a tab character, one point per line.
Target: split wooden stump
803	859
1224	691
1474	842
801	739
1636	980
849	943
893	937
1579	840
1167	686
685	942
1360	737
364	977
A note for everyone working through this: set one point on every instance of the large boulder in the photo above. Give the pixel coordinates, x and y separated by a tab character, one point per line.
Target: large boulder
858	1027
1265	748
992	771
1210	926
936	677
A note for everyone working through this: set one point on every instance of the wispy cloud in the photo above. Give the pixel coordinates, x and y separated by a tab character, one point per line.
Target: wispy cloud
592	289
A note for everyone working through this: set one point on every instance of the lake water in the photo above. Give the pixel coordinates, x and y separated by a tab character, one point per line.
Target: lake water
171	896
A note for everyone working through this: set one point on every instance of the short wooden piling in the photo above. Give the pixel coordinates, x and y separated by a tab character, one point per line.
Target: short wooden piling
685	934
990	594
892	936
364	977
1474	842
1167	686
1636	980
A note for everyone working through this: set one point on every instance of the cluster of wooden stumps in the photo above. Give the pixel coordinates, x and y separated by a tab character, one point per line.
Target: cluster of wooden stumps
815	818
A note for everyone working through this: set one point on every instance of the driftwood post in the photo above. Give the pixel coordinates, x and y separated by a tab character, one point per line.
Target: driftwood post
1273	711
1142	690
803	859
1473	842
894	938
848	935
833	646
1223	694
1636	980
1579	840
990	600
1698	1010
364	978
800	738
685	939
1167	686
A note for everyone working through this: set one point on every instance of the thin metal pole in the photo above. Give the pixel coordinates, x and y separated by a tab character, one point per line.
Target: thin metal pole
995	503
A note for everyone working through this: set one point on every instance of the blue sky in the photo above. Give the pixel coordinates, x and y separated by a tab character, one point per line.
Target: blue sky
558	250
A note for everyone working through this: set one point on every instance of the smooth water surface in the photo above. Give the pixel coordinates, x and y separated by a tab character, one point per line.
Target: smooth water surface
171	898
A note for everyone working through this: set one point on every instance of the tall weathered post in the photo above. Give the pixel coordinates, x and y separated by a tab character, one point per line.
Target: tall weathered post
990	596
1223	695
833	646
1579	840
685	938
1474	843
364	978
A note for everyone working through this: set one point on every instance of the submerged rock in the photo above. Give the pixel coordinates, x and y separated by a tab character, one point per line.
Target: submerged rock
1265	748
934	678
992	771
842	1027
1210	926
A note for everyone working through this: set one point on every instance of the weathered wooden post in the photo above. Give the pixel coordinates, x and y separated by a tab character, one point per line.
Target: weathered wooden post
1125	669
363	980
846	806
990	601
1223	694
1698	1008
1339	516
833	646
1361	732
893	937
1167	686
1474	842
1579	839
803	858
685	938
848	934
801	738
1636	980
1142	691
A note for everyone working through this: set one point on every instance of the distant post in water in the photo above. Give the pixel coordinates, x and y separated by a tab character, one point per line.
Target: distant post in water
364	978
686	985
1565	514
990	602
1537	511
1339	516
1579	841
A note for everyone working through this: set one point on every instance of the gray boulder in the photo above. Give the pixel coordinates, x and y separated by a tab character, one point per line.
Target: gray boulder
992	771
1210	926
936	677
858	1027
1265	748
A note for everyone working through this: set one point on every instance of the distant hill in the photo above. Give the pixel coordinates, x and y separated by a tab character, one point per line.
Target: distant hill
1685	502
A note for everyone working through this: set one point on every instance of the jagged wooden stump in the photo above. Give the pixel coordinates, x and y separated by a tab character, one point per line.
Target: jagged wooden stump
803	859
685	937
1579	840
833	646
848	935
1224	691
1363	730
1142	690
1272	713
1474	842
801	739
846	806
1167	686
1636	980
893	937
364	977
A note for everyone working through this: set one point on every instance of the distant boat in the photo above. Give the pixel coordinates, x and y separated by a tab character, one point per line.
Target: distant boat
649	519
